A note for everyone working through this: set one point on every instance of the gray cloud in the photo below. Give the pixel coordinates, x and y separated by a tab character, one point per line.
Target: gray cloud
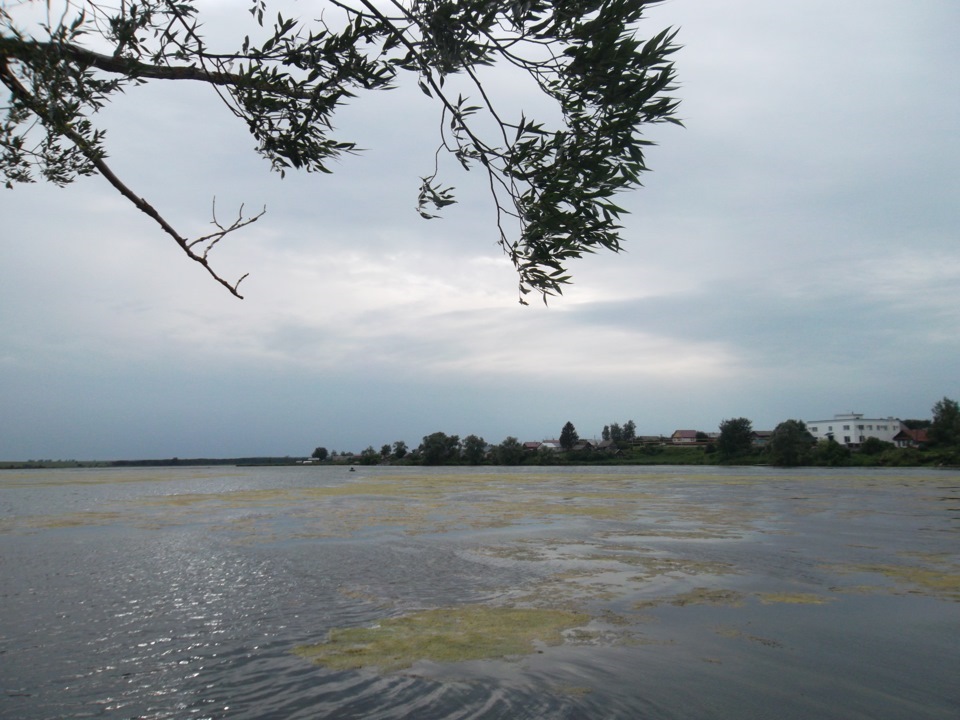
794	253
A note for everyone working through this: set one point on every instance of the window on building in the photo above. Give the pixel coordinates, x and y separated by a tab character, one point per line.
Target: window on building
846	427
813	429
846	439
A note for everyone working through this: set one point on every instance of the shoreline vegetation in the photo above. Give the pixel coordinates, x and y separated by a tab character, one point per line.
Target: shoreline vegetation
919	443
705	454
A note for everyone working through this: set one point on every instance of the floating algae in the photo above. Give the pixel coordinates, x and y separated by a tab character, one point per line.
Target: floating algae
472	632
88	518
732	632
934	582
792	598
942	582
698	596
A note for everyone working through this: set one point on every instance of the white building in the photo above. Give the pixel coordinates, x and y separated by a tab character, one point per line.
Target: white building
853	428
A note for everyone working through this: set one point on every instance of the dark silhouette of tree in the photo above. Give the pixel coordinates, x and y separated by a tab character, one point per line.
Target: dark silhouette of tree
439	448
320	454
945	429
830	452
736	438
474	449
616	432
568	436
790	443
553	185
369	456
509	452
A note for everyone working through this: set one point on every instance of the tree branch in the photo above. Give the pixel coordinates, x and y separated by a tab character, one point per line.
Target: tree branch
95	158
25	50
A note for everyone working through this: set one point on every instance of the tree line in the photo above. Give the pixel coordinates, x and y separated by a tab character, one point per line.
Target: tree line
790	444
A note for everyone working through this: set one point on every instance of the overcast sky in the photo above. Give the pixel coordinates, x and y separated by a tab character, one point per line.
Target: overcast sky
795	253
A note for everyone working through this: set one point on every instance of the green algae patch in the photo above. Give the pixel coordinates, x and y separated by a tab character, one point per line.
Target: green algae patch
939	582
446	635
732	632
792	598
697	596
935	582
65	521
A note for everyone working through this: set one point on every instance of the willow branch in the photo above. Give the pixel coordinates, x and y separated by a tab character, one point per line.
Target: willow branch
25	50
96	159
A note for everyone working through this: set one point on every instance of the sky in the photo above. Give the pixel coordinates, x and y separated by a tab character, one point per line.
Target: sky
794	253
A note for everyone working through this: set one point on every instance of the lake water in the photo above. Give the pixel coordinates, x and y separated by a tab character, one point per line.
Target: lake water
686	592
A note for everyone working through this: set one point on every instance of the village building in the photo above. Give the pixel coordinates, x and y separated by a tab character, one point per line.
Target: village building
852	429
908	438
760	438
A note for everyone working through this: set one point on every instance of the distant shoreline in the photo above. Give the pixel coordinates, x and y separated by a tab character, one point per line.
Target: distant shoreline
171	462
667	456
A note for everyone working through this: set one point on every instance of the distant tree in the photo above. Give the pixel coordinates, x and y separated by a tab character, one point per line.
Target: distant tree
509	452
369	456
790	444
616	432
875	446
474	449
399	449
606	432
385	450
569	437
736	438
320	454
553	183
547	456
439	448
830	452
629	431
945	429
914	424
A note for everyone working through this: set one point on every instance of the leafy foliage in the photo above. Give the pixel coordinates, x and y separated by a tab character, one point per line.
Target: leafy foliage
830	452
369	456
945	428
509	452
736	437
790	444
875	446
615	432
552	185
439	448
618	433
474	449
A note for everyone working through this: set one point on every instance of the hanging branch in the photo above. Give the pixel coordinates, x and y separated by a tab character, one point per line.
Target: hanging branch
552	186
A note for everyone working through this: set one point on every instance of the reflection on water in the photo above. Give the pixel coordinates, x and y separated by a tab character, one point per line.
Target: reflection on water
696	592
